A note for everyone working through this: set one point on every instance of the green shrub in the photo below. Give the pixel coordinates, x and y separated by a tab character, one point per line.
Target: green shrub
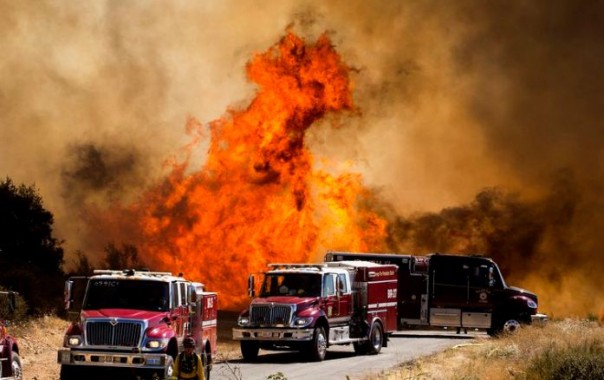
584	361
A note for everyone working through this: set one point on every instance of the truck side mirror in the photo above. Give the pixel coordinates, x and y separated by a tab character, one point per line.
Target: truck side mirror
250	286
67	294
12	302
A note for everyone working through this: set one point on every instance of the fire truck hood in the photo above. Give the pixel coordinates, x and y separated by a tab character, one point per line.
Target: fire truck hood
123	313
301	302
519	291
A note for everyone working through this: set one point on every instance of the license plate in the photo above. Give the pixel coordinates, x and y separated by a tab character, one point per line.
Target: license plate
106	359
266	334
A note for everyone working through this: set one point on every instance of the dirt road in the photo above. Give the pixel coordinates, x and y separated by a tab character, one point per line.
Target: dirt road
341	363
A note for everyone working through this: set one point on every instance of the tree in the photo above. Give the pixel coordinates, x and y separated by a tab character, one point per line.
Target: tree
125	258
31	258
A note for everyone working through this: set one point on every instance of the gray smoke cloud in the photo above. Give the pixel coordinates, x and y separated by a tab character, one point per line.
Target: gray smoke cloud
455	98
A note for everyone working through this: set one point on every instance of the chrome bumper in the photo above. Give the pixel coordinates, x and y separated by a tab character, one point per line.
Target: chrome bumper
260	334
111	359
539	319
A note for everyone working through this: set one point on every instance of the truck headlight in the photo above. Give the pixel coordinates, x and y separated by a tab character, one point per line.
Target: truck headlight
74	340
532	304
243	321
156	343
302	322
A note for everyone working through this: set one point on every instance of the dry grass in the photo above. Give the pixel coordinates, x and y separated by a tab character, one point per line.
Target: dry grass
571	345
533	353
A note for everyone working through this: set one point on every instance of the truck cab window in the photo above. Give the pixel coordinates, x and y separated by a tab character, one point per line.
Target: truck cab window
126	294
483	276
291	284
183	293
175	296
342	283
329	288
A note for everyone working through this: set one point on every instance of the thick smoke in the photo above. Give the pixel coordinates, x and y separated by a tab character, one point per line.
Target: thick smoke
480	122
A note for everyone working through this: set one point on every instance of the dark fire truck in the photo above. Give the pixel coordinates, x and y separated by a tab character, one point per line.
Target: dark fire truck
132	324
10	361
454	291
309	307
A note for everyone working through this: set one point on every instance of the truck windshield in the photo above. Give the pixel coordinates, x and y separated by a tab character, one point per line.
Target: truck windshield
127	294
291	284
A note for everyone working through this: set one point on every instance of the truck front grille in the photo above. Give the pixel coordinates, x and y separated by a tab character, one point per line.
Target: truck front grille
120	334
271	315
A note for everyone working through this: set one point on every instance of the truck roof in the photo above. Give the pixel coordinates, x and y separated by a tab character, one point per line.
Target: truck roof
334	266
302	267
355	263
131	274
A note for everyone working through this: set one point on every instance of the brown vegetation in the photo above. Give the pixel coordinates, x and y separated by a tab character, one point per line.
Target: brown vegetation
560	350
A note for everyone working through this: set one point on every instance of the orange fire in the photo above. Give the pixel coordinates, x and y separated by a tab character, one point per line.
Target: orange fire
257	198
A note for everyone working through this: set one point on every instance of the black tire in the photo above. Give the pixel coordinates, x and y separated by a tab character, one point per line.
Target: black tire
318	345
205	360
169	371
506	327
249	350
375	339
16	367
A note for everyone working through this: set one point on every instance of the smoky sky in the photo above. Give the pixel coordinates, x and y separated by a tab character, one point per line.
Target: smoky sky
461	104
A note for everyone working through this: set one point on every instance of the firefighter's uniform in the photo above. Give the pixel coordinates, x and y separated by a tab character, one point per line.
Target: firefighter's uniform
188	367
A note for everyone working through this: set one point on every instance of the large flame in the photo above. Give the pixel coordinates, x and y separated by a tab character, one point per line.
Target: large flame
257	199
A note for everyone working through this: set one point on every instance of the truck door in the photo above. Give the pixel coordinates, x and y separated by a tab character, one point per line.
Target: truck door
344	294
482	286
180	309
333	307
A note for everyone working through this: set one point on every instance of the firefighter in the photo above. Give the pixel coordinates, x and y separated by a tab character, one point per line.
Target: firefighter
188	364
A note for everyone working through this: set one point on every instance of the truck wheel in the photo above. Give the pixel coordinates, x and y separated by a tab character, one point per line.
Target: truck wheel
16	367
318	347
205	360
249	350
169	367
375	339
510	326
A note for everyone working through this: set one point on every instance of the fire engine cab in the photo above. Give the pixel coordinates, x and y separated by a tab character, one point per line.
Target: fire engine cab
309	307
133	323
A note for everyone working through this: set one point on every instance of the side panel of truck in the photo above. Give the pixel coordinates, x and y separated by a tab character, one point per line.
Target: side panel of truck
460	293
209	319
449	291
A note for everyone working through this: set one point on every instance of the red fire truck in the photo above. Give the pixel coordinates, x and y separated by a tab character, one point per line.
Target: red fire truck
133	323
309	307
454	291
10	361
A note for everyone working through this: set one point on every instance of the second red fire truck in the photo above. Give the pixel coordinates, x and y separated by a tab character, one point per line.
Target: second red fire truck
309	307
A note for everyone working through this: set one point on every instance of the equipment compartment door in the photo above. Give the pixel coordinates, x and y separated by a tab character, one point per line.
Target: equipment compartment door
449	282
